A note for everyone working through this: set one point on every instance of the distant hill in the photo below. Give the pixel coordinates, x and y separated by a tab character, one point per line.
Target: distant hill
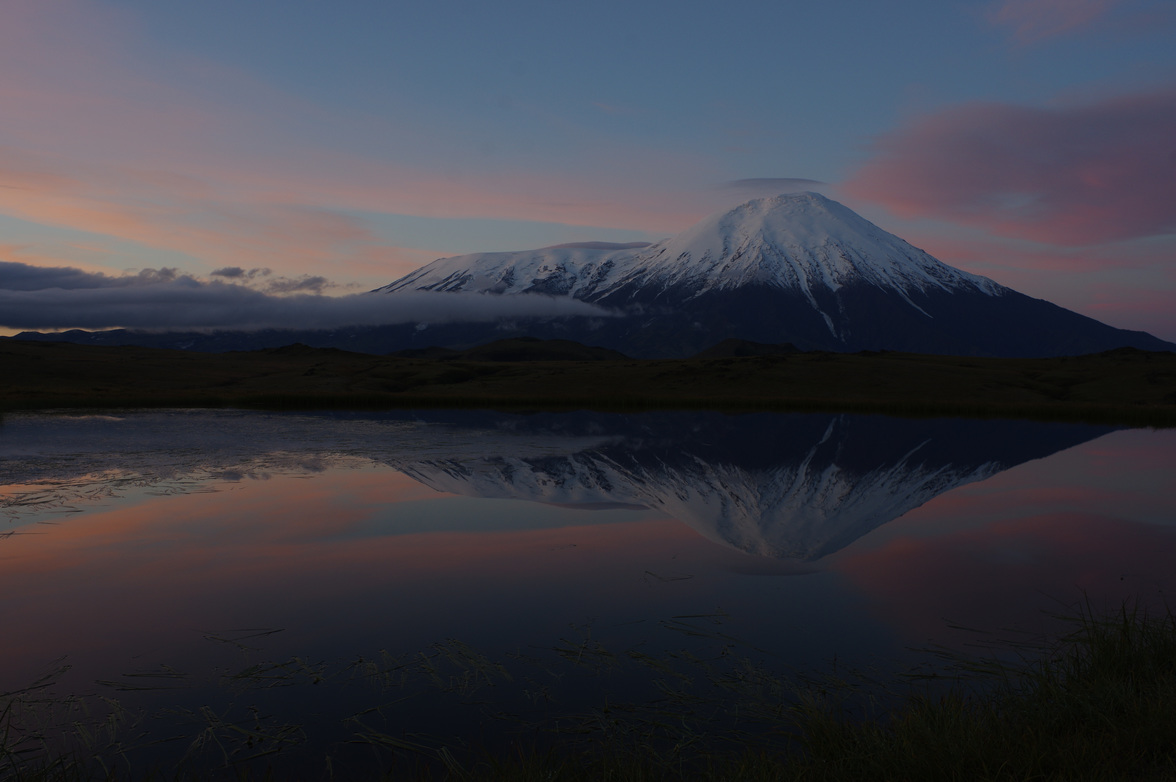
740	348
1121	386
518	349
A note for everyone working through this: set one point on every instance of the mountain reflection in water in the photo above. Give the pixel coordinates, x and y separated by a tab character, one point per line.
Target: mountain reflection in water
782	486
165	557
799	486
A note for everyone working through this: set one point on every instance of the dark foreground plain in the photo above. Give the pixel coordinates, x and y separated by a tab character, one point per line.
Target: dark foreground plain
1125	386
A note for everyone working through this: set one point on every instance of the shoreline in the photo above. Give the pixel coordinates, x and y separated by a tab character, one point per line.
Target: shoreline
1127	387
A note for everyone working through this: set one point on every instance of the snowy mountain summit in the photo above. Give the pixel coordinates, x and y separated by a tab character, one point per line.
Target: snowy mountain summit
799	241
798	268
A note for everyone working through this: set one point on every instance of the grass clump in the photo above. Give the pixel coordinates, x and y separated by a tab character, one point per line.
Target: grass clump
1097	703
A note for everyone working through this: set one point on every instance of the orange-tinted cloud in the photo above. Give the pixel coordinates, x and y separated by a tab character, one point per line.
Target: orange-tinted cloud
1075	175
294	219
177	213
210	165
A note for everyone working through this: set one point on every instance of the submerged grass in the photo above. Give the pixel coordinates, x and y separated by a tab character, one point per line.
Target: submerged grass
1097	702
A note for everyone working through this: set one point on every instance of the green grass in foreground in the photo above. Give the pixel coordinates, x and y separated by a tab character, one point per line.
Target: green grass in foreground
1096	703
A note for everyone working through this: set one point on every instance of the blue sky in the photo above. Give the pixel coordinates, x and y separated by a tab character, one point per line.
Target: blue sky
341	145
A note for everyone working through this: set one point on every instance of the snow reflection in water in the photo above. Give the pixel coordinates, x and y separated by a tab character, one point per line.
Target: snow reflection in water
799	486
132	538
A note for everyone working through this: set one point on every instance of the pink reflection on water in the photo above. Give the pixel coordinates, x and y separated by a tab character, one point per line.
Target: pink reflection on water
1003	575
352	560
1093	523
146	581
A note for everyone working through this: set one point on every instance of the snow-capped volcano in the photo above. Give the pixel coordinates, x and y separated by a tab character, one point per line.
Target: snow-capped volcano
799	241
796	268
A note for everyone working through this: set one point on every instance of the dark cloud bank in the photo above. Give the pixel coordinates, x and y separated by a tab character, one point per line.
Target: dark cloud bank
35	297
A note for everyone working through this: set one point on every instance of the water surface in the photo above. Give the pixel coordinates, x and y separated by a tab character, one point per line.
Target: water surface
178	548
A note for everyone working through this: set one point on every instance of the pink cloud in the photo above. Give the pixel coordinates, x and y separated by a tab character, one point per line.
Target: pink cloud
171	213
222	220
1035	20
28	254
308	548
999	259
176	161
1075	175
295	219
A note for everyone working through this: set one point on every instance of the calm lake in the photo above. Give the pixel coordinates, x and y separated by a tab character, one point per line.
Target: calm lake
216	586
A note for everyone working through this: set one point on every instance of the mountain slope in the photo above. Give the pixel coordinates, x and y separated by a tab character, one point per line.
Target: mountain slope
796	268
562	270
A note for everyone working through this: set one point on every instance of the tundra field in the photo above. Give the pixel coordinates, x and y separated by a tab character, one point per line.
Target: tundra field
1125	386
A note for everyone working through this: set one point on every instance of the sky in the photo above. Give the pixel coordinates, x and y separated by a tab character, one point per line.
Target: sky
237	164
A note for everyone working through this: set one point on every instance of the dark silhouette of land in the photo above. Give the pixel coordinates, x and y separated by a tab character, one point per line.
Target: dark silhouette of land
1119	386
